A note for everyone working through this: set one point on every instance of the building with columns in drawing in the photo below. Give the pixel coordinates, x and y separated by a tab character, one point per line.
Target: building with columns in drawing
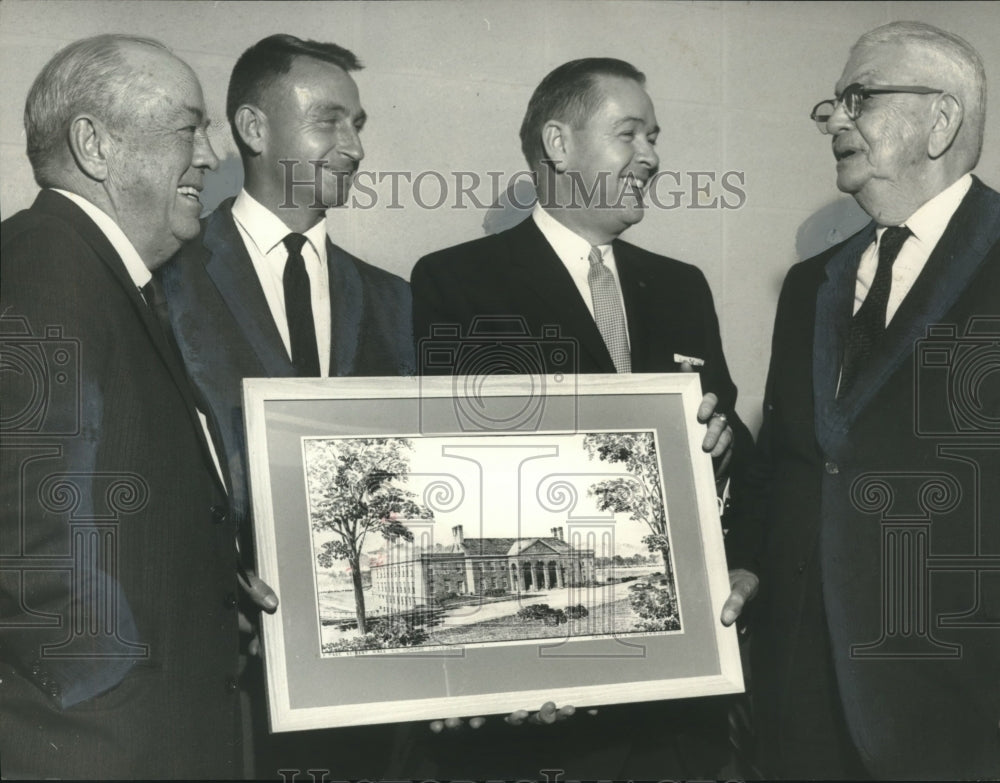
411	577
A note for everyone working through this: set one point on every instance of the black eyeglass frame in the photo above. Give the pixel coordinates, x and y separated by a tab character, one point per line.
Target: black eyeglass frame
854	94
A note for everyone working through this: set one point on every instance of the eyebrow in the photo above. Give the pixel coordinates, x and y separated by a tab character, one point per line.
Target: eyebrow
192	111
335	108
640	120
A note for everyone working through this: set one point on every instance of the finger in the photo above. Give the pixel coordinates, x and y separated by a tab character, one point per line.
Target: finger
716	426
253	649
244	623
547	714
453	723
733	607
592	711
475	723
565	712
259	591
723	467
744	586
437	726
724	443
686	367
707	407
517	718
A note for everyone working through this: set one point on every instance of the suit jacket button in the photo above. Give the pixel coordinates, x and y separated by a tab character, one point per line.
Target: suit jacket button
218	514
230	600
232	684
801	567
831	468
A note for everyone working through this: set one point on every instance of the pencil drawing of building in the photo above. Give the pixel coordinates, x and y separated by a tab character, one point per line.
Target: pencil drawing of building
411	577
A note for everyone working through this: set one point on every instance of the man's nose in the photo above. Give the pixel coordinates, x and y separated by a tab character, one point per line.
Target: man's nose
204	155
646	155
350	145
839	120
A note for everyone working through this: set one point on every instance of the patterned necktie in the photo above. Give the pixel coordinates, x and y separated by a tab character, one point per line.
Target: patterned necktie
298	310
868	323
608	311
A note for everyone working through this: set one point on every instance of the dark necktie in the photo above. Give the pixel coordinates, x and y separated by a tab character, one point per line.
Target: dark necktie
152	292
298	310
868	323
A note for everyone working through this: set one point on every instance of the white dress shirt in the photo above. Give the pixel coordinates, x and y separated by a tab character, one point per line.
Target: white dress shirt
263	233
134	265
574	252
927	225
140	275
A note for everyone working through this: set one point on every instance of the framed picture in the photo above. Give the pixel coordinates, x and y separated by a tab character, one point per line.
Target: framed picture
453	546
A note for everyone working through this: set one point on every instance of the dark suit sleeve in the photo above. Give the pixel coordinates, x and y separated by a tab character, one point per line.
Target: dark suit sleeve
432	303
437	301
715	378
752	506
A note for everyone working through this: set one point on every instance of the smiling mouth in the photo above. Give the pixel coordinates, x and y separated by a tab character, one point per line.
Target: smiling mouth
636	185
339	172
190	192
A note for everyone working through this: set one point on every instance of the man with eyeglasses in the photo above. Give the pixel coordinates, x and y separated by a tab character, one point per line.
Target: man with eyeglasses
876	649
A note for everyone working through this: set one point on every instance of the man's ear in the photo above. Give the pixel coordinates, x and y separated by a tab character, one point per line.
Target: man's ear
948	117
89	144
251	125
556	139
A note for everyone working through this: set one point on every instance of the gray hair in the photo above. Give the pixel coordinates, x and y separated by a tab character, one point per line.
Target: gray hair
971	87
89	75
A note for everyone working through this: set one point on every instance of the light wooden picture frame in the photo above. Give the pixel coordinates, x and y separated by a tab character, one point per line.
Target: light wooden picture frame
449	546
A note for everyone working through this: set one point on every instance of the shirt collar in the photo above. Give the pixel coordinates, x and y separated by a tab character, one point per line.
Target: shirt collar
266	230
134	265
566	242
931	219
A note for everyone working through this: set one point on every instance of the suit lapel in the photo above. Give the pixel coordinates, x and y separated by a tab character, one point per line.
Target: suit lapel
347	304
64	209
972	231
230	268
537	267
833	313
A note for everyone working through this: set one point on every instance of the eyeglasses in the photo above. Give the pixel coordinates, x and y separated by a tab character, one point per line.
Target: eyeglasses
853	98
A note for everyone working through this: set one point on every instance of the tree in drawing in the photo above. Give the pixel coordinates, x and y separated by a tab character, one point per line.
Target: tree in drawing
355	490
638	494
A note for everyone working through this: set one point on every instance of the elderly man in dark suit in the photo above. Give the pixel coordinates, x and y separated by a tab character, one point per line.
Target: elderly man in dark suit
118	623
877	651
589	134
264	292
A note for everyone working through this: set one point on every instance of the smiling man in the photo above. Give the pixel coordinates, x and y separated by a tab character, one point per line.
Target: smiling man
589	135
119	638
263	292
872	657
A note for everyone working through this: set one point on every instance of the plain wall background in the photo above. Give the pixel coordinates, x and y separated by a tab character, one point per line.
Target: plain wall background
446	85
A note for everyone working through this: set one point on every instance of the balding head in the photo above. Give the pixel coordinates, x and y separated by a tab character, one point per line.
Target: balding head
91	76
947	61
